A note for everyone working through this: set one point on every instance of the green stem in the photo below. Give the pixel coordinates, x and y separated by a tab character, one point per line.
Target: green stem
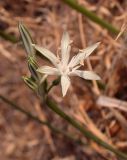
50	87
83	130
54	129
54	83
8	37
92	16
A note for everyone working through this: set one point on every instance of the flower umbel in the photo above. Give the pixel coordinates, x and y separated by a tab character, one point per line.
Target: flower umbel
64	68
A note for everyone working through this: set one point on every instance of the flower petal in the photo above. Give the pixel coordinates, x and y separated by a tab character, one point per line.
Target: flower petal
65	48
65	83
82	55
48	70
49	55
86	75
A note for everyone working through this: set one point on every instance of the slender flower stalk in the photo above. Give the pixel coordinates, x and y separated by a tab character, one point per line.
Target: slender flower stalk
65	68
83	130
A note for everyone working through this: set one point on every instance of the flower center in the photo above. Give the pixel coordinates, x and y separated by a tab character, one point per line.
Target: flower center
64	70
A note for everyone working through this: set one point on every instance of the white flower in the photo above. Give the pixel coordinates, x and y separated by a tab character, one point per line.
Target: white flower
63	67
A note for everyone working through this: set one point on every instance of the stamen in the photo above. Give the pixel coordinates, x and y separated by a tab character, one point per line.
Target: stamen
82	63
57	53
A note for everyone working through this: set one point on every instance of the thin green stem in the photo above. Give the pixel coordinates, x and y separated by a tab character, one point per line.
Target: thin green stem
83	130
8	37
54	83
91	16
50	87
48	124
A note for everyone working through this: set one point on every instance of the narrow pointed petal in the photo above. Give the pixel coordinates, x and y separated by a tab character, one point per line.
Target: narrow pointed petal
82	55
65	83
48	70
87	51
49	55
65	48
86	75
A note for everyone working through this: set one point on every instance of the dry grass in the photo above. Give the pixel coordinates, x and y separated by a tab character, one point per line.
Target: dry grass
23	139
